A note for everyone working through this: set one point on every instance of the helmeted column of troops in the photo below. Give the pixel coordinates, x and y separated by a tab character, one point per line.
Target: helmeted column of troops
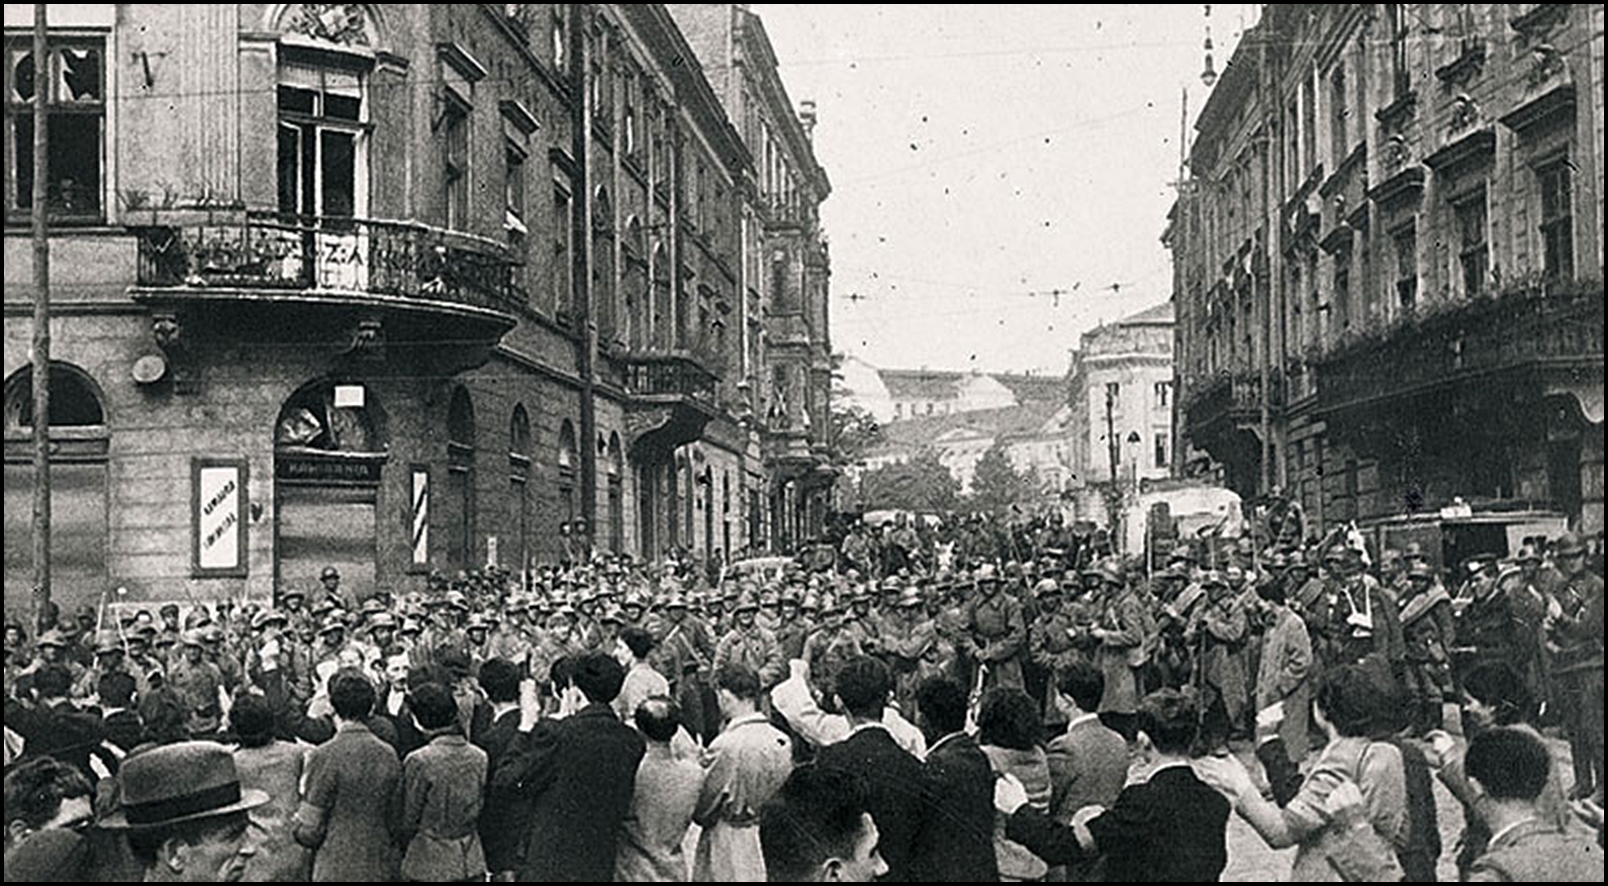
1244	631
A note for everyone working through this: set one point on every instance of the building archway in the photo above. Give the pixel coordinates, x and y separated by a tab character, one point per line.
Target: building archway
79	443
330	447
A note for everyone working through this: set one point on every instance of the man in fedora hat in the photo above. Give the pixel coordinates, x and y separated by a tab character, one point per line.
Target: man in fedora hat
184	813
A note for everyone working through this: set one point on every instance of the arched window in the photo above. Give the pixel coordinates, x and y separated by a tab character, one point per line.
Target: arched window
79	443
460	499
329	449
635	283
603	263
616	469
518	473
332	417
662	309
568	459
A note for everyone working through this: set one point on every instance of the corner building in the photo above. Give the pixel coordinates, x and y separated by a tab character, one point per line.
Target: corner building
385	287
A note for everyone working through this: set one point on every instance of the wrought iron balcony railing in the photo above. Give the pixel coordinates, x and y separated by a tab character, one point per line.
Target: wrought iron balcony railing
268	251
671	374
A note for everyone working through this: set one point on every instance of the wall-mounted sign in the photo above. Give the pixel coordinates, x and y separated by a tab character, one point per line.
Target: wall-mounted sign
491	550
328	470
421	515
349	396
218	516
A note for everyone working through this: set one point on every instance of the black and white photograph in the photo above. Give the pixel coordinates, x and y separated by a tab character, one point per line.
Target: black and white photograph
464	442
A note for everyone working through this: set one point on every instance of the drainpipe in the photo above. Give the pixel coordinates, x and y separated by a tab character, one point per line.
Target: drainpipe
581	138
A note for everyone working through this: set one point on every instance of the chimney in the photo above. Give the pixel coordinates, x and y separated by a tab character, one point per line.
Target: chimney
806	116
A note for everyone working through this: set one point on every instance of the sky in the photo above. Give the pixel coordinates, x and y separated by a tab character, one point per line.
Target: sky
984	156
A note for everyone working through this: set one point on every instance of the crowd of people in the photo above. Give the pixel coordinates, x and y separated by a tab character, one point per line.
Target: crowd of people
978	702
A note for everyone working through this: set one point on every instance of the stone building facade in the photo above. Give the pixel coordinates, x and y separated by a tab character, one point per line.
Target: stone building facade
384	287
1128	363
1388	261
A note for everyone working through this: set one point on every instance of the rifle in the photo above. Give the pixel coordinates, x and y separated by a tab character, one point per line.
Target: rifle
974	702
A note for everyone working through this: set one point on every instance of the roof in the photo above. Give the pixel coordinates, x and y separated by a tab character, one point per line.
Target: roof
1025	420
1028	388
1159	315
921	384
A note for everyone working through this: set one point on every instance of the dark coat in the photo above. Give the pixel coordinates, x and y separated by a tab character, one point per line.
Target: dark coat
579	773
894	785
1169	829
502	821
956	843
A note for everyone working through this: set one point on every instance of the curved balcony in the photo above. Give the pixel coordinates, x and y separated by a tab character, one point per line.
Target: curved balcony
672	399
394	267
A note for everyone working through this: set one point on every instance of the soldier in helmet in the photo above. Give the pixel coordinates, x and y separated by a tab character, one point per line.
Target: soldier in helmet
1573	626
998	631
1120	633
750	644
1427	637
1357	620
1050	647
1219	631
792	627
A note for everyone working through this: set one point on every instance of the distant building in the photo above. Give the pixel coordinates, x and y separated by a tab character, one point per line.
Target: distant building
1129	363
1034	435
902	394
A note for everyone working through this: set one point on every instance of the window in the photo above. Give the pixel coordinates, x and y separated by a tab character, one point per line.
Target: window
1114	394
898	410
1471	238
929	408
455	164
514	210
1292	145
629	137
78	483
1338	114
1309	124
321	140
1557	221
563	234
1161	450
566	472
1163	394
1400	78
518	474
1342	288
1405	241
75	105
460	500
560	38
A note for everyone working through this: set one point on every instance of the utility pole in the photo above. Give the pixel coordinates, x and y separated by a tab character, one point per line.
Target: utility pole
1114	491
583	258
41	319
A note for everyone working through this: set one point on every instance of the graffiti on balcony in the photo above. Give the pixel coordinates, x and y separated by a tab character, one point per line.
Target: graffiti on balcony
328	254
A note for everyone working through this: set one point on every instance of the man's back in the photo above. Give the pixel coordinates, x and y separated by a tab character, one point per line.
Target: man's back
354	779
894	786
1537	852
662	803
1171	828
1088	766
956	843
579	773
